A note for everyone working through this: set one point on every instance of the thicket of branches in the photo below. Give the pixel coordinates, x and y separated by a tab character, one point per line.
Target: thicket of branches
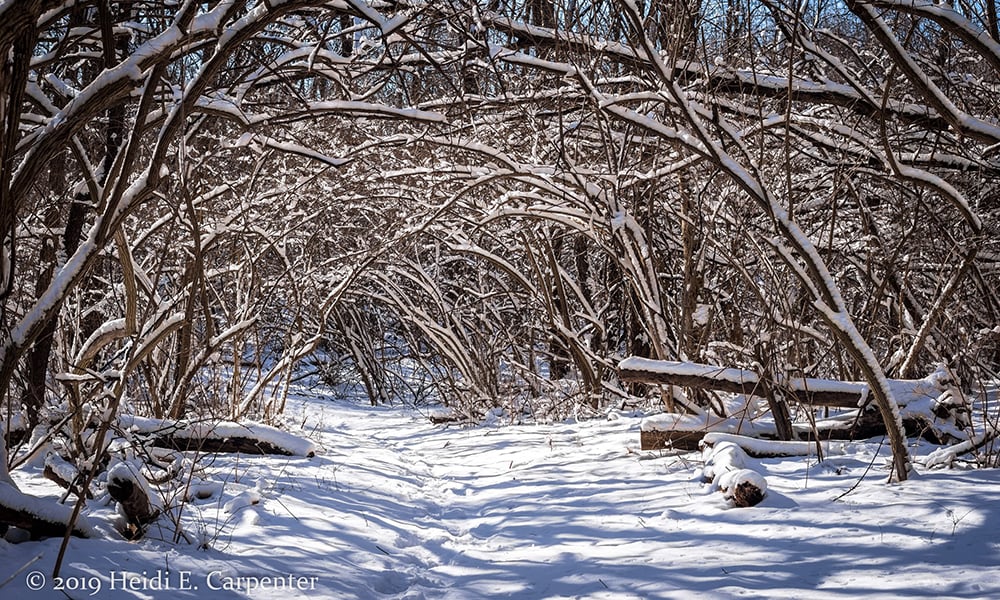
487	203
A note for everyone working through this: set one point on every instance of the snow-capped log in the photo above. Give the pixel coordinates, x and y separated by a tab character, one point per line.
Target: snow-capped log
946	456
672	431
818	392
40	517
14	429
726	466
62	472
758	448
930	407
657	439
223	436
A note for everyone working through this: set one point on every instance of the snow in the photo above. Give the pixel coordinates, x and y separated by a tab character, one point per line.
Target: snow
702	314
395	507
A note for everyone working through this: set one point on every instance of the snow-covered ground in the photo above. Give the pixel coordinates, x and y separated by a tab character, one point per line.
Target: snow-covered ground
395	507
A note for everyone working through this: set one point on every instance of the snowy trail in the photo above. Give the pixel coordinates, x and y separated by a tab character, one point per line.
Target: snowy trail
395	507
488	512
565	511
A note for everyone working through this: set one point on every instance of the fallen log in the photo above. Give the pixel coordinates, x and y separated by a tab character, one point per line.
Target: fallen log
931	408
40	517
60	471
670	440
726	467
656	433
223	437
758	448
217	444
869	425
946	456
673	431
806	390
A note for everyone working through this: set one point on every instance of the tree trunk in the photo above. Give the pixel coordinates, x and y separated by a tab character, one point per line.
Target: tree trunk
41	350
